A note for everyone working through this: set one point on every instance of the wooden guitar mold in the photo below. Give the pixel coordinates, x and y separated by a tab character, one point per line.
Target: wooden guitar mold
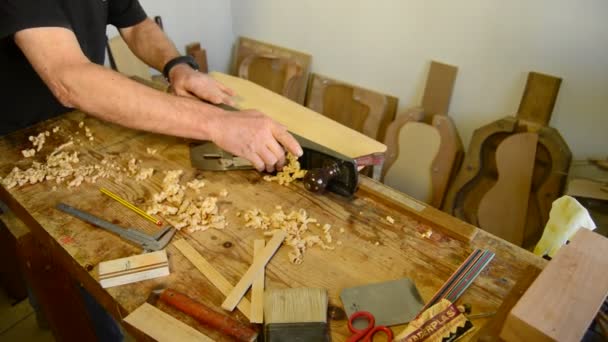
273	67
363	110
478	173
423	146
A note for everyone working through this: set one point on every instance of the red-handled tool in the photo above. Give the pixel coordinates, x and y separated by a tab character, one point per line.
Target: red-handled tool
207	316
367	334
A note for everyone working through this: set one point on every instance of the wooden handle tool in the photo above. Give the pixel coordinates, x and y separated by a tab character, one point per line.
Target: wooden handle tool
207	316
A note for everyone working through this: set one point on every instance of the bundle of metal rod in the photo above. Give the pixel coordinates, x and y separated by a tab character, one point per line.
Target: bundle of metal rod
464	276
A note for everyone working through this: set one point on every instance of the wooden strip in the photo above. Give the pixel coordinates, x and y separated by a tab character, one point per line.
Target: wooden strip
539	98
439	220
215	277
134	268
299	119
438	89
257	289
258	265
565	298
161	326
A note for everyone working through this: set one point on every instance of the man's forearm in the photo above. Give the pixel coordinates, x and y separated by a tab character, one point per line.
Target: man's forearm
150	44
125	102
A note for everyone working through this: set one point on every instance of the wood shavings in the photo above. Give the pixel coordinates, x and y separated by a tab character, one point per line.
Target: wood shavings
339	243
223	193
55	129
80	124
390	220
377	243
426	235
196	184
198	215
296	224
28	153
144	174
341	230
150	150
290	172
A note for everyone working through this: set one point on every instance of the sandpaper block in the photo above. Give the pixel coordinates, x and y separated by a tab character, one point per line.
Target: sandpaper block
392	302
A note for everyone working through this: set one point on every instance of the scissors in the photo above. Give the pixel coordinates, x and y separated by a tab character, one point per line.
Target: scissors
367	334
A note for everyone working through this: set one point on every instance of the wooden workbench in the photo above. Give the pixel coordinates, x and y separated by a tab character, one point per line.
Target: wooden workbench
372	249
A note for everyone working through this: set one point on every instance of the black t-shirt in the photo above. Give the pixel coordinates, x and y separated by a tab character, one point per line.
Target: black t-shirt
24	98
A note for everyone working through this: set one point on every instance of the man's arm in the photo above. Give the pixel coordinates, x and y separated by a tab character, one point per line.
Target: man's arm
151	45
56	56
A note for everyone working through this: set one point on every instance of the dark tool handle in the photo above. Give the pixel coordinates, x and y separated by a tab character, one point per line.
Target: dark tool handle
316	180
208	317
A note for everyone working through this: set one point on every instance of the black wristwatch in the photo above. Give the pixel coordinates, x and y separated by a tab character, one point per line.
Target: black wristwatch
179	60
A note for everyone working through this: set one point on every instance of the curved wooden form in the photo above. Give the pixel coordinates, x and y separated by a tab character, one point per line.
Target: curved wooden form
448	158
279	69
473	163
503	209
392	135
361	109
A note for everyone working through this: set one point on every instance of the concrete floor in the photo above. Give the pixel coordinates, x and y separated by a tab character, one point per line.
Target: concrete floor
18	322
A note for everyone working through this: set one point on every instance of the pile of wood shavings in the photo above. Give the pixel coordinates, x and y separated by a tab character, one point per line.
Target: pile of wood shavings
180	210
296	224
64	166
290	172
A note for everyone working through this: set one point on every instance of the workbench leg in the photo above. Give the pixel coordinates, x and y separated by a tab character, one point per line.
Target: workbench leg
55	291
11	277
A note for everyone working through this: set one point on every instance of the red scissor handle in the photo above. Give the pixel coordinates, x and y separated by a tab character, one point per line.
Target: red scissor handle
359	334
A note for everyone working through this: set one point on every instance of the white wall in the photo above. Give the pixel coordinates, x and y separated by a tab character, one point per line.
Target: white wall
387	44
206	21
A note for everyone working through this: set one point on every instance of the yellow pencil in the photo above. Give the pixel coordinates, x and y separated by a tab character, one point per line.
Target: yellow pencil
130	206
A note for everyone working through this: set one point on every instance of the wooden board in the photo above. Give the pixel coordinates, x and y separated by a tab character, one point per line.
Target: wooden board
363	110
299	119
564	299
502	210
539	98
162	327
279	69
199	55
257	289
411	172
438	90
126	62
448	158
372	249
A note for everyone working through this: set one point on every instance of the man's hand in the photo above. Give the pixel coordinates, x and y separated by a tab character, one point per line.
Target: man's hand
256	137
188	82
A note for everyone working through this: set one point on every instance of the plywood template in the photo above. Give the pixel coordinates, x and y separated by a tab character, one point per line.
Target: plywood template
514	165
565	298
299	119
425	141
552	161
361	109
162	326
279	69
126	62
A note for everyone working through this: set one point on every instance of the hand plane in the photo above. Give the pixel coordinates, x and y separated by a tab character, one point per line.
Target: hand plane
327	169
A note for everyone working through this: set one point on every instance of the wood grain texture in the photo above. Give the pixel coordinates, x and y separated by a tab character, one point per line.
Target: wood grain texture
359	260
299	119
126	62
503	209
237	293
438	89
211	273
276	68
565	298
163	327
363	110
391	138
257	289
539	98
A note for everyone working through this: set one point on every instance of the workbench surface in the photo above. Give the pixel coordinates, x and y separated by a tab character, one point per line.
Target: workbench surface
372	250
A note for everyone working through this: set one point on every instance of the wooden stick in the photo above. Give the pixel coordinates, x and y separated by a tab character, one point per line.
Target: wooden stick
258	265
257	289
211	273
161	326
130	206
